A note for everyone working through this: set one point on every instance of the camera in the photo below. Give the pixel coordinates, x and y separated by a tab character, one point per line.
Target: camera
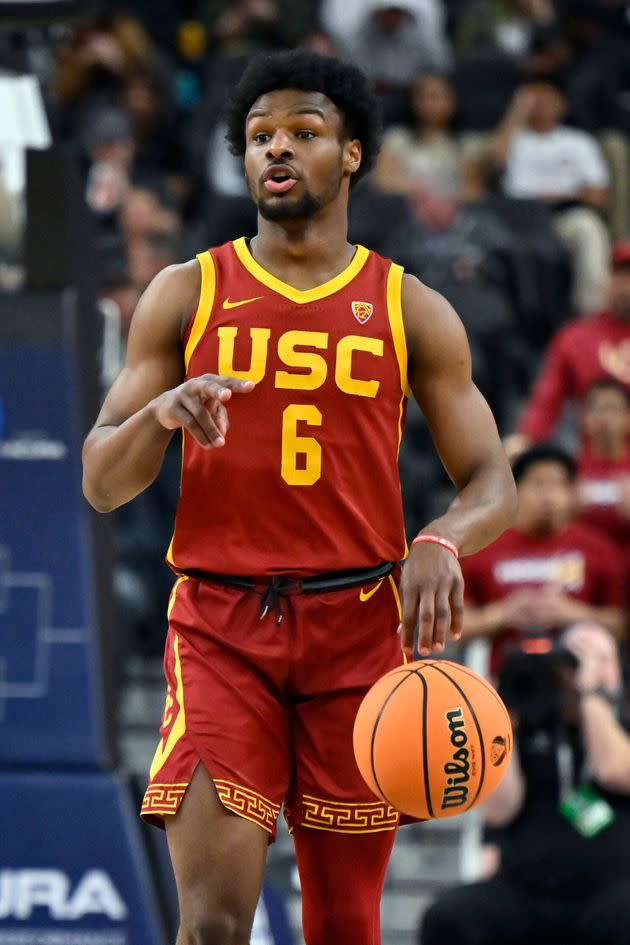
535	682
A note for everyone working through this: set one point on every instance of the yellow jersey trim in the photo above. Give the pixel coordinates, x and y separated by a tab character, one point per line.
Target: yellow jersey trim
301	296
395	316
169	553
204	308
163	751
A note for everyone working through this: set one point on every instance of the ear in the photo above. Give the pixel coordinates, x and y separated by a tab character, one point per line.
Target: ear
352	156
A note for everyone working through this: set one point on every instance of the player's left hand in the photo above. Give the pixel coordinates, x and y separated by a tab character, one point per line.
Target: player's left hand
432	591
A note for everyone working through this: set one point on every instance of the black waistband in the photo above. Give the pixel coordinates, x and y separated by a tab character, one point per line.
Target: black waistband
318	584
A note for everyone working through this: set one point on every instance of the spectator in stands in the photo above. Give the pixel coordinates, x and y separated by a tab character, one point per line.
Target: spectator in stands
547	571
143	212
565	872
149	254
428	152
604	463
247	26
564	167
158	150
581	352
394	42
93	67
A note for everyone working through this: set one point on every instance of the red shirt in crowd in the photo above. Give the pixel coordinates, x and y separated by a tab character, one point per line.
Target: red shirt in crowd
598	485
581	352
582	562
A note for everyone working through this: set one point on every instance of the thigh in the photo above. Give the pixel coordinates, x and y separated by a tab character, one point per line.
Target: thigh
224	706
605	918
491	912
219	861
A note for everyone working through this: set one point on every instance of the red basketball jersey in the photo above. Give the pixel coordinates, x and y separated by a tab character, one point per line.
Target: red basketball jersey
308	480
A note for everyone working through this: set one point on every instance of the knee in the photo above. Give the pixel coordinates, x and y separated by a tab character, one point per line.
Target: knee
352	926
217	927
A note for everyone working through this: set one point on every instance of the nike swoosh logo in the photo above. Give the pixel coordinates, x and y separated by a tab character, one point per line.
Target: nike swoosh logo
363	596
228	304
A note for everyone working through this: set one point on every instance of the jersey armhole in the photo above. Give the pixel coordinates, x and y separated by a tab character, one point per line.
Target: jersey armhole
199	320
396	325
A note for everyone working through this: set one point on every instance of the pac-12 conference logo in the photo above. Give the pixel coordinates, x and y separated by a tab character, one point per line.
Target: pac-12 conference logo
29	444
23	891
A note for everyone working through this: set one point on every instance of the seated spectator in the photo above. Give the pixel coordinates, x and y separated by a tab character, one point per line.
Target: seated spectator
428	152
396	41
94	65
604	463
563	809
547	571
581	352
564	167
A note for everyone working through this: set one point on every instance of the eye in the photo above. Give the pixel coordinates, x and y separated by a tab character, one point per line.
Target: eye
305	134
261	138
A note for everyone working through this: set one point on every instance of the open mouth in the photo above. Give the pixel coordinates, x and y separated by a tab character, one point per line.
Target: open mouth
279	180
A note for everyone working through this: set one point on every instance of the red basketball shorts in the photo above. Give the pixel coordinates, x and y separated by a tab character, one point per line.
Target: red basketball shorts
269	709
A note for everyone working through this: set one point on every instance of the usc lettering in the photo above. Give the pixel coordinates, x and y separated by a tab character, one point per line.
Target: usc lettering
301	458
313	366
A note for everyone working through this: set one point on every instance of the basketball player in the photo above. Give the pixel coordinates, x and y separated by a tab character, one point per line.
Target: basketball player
287	362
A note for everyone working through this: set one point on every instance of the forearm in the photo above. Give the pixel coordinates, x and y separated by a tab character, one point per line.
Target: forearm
504	804
119	462
482	510
484	621
606	744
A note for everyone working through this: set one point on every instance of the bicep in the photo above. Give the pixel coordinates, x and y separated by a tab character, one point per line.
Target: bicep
154	361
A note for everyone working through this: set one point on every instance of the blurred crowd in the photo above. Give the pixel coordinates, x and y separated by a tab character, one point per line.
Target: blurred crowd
504	183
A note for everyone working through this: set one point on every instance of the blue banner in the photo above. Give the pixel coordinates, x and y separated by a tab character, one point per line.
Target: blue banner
50	675
72	871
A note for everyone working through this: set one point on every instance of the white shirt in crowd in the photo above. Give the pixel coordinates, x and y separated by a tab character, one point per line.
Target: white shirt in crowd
558	163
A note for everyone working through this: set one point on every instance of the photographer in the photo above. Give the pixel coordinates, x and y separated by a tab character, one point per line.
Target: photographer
563	808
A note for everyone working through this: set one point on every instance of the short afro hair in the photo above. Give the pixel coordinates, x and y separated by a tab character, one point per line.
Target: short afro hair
543	453
345	85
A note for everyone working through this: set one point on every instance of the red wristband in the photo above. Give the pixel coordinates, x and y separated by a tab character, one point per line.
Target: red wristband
437	540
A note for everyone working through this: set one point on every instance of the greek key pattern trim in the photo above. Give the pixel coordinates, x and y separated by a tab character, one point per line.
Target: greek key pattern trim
248	804
163	798
348	818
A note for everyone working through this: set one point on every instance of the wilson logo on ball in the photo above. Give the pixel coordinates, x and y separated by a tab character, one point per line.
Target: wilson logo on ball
456	792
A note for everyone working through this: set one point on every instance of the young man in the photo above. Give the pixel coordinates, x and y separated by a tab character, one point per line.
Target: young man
604	463
547	571
289	527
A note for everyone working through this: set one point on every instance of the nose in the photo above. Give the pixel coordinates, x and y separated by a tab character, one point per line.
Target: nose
279	146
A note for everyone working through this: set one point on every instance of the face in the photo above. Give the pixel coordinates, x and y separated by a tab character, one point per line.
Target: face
606	417
545	498
548	108
433	101
620	291
296	158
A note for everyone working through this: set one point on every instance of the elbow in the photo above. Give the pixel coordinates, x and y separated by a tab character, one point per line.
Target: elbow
98	499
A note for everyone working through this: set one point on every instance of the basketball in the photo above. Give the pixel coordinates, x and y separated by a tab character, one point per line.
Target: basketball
432	738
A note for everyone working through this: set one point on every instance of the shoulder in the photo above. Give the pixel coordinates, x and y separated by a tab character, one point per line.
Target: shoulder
397	137
575	137
591	541
575	331
168	302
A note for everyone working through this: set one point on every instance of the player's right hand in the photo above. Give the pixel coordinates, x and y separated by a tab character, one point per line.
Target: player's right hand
198	405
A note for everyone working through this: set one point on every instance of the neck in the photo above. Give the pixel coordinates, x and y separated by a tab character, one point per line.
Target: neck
432	131
608	448
317	243
535	529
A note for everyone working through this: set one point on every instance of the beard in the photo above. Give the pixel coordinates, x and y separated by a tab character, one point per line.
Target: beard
279	210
